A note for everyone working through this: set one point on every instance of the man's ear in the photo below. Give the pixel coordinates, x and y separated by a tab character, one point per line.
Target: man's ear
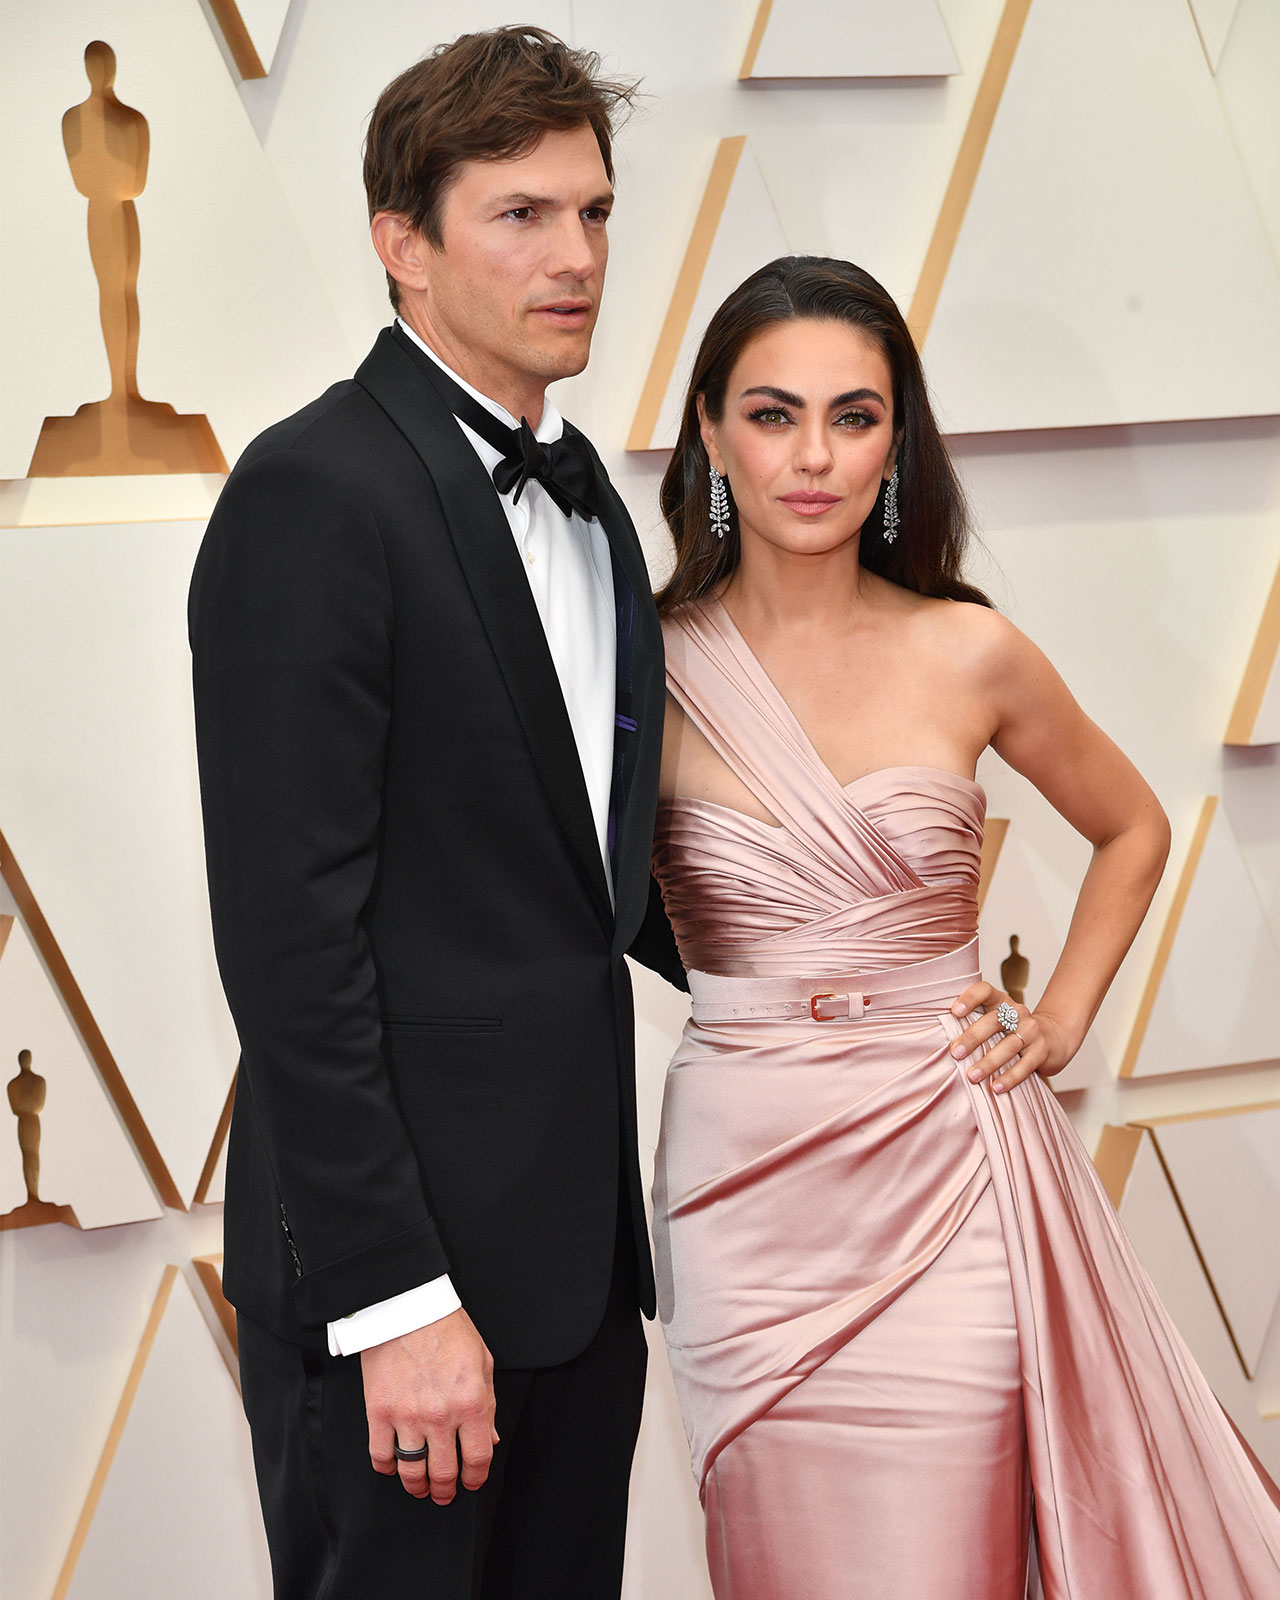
402	249
707	429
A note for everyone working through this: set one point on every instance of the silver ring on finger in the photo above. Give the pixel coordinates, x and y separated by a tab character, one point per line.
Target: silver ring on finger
1007	1016
410	1455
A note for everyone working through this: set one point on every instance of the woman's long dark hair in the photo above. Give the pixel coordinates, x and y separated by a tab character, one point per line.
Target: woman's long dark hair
934	520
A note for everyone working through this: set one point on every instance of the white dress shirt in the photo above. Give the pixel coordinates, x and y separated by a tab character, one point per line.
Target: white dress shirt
567	563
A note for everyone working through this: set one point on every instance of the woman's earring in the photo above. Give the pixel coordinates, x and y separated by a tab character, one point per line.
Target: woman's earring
719	505
891	508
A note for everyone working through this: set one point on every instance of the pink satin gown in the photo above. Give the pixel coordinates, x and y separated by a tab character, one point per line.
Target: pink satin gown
916	1355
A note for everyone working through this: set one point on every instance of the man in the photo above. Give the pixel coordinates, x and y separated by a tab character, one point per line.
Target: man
429	695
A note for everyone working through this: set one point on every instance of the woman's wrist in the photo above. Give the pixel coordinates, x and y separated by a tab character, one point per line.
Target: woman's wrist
1062	1038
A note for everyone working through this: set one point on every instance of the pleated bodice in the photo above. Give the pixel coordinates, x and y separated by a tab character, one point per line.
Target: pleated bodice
876	873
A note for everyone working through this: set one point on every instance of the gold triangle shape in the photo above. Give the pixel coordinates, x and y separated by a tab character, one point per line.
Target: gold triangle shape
114	1434
756	40
244	52
201	1196
108	1071
1117	1151
209	1271
685	292
1264	662
993	835
1168	934
965	172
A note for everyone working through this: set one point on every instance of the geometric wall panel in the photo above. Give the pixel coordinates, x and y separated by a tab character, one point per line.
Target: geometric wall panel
211	1187
848	39
1012	907
100	804
212	1191
234	322
172	1509
1213	22
1255	717
1212	998
1225	1169
1246	77
252	29
68	1144
1073	296
964	172
209	1271
993	836
736	225
1137	1181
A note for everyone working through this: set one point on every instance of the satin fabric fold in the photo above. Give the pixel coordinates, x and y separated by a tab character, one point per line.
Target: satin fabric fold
900	1311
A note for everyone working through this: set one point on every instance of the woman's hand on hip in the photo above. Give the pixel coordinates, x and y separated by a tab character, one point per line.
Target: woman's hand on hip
1037	1044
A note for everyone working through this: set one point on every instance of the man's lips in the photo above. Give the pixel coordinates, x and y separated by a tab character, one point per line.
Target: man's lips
810	502
572	312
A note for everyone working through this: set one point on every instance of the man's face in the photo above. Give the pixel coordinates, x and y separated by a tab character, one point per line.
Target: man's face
511	298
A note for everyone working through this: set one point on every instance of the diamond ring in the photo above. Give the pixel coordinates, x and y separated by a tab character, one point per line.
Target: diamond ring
1007	1017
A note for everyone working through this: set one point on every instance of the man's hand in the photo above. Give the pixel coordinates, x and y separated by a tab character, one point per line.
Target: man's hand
433	1386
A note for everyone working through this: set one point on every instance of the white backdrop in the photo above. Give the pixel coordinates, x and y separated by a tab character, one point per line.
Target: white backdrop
1105	349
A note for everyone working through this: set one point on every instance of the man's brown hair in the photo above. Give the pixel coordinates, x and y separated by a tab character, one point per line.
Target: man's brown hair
485	97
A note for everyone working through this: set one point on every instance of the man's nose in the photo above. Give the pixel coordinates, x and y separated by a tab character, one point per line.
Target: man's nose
574	254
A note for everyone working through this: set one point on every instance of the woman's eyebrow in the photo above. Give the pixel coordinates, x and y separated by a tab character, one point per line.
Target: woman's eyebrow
789	399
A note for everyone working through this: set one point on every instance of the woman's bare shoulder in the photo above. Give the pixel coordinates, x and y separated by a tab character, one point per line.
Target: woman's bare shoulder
973	635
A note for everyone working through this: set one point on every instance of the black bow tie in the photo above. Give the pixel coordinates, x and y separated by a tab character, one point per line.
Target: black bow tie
564	467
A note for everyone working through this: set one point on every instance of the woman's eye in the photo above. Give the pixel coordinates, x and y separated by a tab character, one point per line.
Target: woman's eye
854	419
770	416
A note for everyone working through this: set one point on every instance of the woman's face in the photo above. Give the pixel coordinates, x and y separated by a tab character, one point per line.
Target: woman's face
806	436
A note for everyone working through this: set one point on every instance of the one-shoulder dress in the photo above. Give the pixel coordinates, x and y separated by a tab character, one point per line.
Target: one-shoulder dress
916	1355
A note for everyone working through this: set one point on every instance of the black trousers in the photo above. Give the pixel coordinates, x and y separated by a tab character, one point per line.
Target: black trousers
549	1524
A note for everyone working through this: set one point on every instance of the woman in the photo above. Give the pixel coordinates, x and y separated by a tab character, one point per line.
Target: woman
899	1307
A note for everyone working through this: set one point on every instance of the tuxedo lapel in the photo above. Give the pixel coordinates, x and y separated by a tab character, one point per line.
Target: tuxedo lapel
487	552
639	719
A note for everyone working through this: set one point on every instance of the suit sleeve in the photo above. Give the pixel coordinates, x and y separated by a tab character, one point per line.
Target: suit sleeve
655	944
292	629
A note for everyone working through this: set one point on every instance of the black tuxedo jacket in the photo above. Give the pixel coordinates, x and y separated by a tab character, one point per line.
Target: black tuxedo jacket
411	916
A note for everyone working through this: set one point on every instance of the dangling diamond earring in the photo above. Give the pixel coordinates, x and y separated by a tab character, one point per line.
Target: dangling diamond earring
719	505
891	508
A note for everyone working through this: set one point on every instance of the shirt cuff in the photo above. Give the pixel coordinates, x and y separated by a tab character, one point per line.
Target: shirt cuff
388	1319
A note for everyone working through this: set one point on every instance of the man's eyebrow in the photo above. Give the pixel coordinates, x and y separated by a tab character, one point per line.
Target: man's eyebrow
510	202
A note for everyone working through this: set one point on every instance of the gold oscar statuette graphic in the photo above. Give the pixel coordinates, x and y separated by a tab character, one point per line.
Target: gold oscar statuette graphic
108	145
1015	973
26	1101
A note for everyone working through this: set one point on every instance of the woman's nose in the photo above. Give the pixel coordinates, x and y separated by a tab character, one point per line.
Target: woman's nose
813	451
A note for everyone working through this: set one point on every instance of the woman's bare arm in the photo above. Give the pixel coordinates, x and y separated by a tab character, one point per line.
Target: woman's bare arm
1041	732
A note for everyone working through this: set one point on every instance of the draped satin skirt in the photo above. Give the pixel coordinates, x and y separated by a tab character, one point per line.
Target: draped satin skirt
916	1356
